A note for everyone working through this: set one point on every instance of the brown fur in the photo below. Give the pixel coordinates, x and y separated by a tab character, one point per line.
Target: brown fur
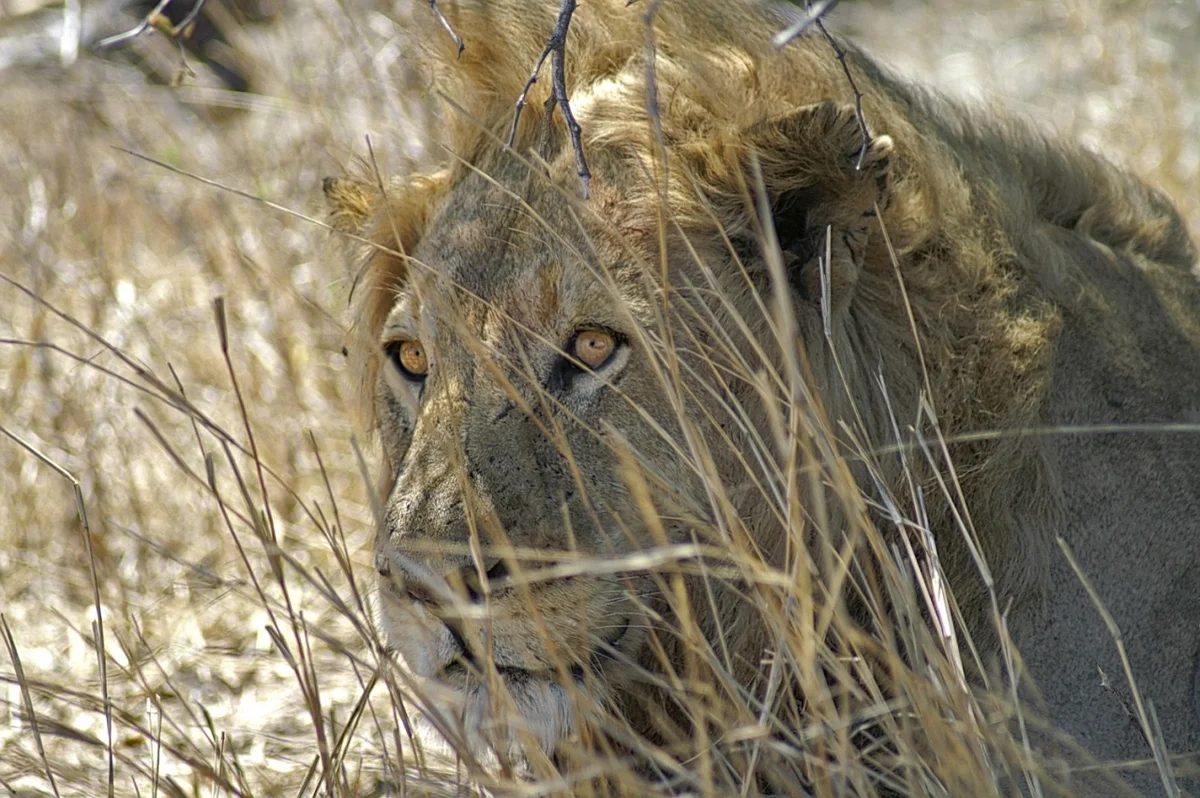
1002	236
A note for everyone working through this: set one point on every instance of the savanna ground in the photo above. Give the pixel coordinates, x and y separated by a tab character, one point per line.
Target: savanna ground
110	269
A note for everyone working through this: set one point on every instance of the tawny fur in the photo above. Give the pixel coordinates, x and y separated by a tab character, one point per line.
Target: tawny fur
1015	251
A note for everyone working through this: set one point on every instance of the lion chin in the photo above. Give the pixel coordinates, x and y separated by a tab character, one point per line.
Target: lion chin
503	716
457	720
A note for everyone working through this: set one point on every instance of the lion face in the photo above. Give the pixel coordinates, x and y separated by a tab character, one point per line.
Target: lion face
558	393
564	389
515	382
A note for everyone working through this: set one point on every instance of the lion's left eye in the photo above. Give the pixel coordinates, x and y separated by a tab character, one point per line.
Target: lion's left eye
409	358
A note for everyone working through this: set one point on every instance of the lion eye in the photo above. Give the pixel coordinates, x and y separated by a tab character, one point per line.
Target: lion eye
409	358
593	348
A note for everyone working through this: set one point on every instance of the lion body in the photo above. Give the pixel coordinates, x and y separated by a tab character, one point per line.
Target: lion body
1040	301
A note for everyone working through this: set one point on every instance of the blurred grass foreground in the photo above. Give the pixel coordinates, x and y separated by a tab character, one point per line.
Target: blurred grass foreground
185	526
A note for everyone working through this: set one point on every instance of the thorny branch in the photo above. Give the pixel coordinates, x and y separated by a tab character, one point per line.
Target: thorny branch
813	12
458	42
840	52
814	16
556	52
159	21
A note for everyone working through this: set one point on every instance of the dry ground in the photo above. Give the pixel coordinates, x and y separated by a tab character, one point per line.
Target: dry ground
136	254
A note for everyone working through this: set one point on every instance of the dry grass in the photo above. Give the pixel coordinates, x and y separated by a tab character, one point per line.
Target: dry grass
111	269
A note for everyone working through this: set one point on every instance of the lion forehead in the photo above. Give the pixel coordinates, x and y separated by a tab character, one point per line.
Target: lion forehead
501	271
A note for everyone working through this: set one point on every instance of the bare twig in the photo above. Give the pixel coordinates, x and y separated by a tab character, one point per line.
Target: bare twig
135	31
556	51
840	52
814	16
512	131
157	20
458	42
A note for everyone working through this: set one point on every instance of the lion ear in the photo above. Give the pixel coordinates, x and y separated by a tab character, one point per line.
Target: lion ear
825	178
393	219
349	202
388	224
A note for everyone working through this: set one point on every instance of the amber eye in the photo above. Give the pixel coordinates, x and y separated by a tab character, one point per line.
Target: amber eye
593	348
409	358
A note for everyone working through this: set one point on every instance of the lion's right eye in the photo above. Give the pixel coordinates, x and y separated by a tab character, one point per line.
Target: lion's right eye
409	358
593	348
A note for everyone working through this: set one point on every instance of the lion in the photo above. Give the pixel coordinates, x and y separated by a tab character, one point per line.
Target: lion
765	293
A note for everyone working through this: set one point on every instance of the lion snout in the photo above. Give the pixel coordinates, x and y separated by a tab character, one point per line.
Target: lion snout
510	621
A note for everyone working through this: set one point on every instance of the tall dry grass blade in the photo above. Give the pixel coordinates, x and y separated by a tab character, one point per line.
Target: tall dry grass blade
154	721
908	309
238	192
219	765
1152	736
341	746
192	419
337	540
223	338
1032	780
27	698
313	766
154	696
98	624
310	689
242	788
248	520
398	703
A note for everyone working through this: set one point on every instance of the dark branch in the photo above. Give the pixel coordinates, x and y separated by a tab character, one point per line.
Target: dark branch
814	16
158	21
458	42
533	76
189	19
556	49
840	52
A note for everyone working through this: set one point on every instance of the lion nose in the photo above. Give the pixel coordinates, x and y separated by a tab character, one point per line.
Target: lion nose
464	581
471	584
